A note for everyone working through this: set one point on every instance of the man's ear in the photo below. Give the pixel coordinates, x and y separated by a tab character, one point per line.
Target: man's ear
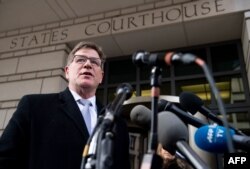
66	71
102	77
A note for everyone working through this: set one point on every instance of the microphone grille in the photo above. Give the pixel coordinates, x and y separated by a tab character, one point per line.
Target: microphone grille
190	102
171	129
141	115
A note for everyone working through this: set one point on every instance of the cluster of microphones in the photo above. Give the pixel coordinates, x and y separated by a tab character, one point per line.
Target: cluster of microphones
211	135
216	137
173	132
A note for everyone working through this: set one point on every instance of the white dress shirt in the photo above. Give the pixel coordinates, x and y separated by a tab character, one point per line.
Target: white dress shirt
92	109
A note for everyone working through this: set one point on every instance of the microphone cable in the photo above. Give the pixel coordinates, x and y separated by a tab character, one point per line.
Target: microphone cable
87	145
95	133
215	91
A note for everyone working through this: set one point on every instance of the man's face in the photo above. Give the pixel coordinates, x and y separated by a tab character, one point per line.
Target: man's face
83	73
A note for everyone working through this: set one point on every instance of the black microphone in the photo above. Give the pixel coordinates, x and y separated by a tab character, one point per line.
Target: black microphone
160	59
141	115
105	138
187	118
123	92
212	138
192	103
173	135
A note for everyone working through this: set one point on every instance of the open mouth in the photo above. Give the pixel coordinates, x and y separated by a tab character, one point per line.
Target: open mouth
87	74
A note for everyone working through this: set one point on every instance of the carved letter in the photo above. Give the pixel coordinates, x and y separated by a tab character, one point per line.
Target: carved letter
159	17
203	6
176	16
34	39
54	36
115	24
23	40
88	28
44	35
143	18
217	5
103	27
131	21
13	43
194	11
64	34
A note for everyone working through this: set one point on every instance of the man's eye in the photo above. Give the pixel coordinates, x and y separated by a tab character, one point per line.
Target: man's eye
80	60
95	62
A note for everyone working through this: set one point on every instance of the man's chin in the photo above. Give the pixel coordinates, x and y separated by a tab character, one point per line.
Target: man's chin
87	85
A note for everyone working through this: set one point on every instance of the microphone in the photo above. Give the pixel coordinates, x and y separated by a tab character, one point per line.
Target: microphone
160	59
212	138
105	136
141	115
192	103
187	118
123	92
142	57
167	123
173	135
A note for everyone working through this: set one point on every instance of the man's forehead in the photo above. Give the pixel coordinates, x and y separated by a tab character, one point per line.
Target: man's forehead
87	51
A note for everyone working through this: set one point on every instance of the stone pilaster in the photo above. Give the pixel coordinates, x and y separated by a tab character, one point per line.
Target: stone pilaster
246	42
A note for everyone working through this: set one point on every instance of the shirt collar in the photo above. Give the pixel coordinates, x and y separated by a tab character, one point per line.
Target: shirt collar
78	97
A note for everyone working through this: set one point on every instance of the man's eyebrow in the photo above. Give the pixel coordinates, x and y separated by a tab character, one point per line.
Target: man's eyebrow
88	56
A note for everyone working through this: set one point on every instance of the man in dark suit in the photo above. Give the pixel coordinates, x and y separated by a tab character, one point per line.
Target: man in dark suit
48	131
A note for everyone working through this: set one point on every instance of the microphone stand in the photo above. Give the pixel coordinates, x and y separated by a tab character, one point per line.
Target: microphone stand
99	153
88	156
105	151
151	160
106	143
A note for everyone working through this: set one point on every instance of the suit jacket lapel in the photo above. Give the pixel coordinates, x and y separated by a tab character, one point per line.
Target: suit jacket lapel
69	106
100	108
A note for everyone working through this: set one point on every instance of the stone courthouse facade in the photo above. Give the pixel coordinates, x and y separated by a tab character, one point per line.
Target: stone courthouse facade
35	39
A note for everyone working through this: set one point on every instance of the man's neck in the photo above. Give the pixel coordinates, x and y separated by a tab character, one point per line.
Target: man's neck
85	93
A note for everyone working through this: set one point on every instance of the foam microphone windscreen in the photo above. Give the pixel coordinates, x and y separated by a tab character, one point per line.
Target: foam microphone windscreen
141	116
170	130
212	138
190	102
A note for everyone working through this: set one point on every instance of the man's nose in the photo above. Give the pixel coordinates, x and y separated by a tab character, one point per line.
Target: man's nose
87	63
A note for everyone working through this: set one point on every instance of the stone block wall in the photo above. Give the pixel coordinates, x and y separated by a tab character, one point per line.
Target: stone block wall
39	70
